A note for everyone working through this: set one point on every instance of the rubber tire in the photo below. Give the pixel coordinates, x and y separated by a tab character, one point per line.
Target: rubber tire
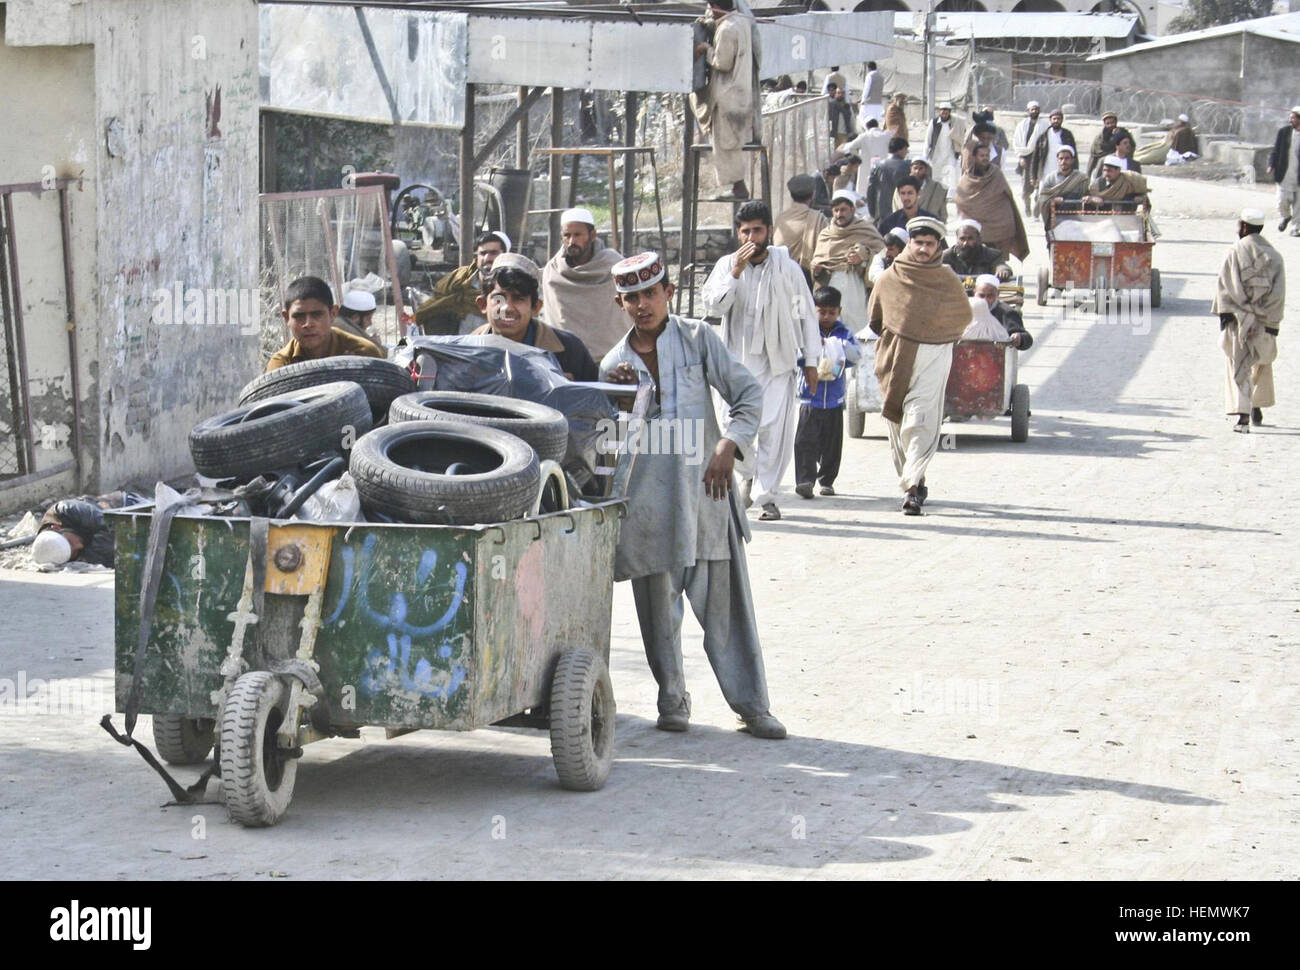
223	448
857	420
1155	289
1020	413
582	720
181	740
1044	284
382	380
247	724
545	428
410	494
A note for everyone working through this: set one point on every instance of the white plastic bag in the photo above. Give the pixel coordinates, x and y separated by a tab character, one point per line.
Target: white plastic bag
335	501
984	325
831	364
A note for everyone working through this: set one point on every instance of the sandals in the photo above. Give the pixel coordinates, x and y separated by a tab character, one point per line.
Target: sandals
770	512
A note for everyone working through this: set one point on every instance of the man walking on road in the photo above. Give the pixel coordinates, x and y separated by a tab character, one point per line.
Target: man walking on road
919	308
1249	300
1049	143
943	145
1284	166
684	532
1023	140
768	321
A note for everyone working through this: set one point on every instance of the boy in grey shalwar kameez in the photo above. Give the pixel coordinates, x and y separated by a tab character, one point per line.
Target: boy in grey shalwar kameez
685	531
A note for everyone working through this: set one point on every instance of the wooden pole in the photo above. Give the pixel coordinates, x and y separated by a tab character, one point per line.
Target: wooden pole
467	180
557	169
629	173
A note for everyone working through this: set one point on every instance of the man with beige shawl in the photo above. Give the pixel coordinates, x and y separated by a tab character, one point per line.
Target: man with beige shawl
1066	184
1249	300
843	257
919	308
984	195
577	289
726	109
800	225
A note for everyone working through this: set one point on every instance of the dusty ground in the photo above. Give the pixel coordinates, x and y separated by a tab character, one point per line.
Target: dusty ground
1079	664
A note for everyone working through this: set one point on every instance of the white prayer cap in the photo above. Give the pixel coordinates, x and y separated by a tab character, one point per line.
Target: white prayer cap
1065	148
899	234
359	300
516	261
577	215
1295	109
987	279
1032	104
1113	160
1253	217
969	222
845	195
1184	118
505	240
51	548
945	104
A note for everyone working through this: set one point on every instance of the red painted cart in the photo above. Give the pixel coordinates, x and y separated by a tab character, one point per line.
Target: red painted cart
1099	250
982	385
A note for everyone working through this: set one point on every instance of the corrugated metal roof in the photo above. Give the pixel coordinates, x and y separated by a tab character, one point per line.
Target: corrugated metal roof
992	25
1284	26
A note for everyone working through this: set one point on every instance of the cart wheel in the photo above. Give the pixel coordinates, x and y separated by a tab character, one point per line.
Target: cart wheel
857	419
1044	284
183	740
1020	412
582	720
1155	288
256	775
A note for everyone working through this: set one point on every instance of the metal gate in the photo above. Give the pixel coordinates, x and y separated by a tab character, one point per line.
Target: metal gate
19	438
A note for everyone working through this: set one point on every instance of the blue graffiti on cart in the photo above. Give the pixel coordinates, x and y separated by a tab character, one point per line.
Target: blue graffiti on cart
391	669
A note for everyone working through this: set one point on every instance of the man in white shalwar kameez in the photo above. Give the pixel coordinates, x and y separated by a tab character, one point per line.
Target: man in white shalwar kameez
684	531
768	322
1249	300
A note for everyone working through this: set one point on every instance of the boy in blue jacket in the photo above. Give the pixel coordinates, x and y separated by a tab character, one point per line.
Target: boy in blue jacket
819	437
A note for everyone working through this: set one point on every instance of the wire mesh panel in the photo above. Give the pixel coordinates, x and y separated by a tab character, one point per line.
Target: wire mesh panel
798	143
341	236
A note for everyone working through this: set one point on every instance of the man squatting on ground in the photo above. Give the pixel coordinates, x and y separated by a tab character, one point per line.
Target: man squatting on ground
1250	299
685	531
768	320
919	308
819	439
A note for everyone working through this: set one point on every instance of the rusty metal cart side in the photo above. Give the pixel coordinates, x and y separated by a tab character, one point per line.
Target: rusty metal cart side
333	627
982	385
1098	267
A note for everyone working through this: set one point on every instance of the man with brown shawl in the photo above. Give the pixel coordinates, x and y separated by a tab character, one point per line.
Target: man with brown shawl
843	257
577	288
1066	184
919	308
800	225
1115	184
895	116
1249	300
983	194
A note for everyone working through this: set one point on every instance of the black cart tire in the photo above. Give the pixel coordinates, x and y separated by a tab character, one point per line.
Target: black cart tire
1155	289
857	420
256	776
582	720
382	380
280	431
1044	285
1020	413
400	472
182	740
545	428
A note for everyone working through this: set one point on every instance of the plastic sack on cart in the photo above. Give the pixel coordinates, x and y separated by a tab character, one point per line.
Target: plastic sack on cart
983	325
869	397
489	364
336	501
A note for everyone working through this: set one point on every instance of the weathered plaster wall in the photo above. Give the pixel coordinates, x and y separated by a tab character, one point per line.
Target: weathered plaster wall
176	92
46	116
1272	85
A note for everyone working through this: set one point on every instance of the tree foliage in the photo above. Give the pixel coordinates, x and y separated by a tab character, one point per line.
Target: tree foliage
1213	13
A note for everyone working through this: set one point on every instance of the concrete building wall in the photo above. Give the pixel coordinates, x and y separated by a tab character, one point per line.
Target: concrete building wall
1271	85
47	117
173	142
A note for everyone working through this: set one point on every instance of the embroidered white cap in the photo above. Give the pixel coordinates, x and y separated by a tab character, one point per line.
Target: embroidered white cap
358	300
577	215
1253	217
638	272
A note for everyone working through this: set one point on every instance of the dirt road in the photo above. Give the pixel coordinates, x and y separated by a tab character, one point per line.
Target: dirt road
1078	664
